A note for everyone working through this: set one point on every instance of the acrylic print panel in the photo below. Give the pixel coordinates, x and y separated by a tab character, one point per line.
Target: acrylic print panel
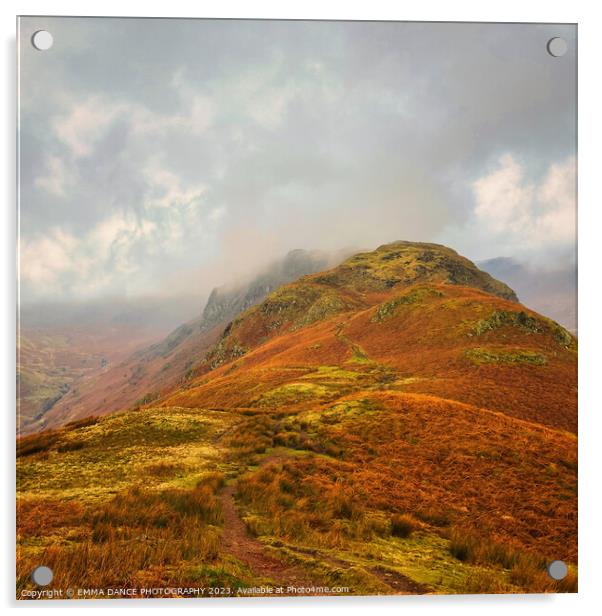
297	308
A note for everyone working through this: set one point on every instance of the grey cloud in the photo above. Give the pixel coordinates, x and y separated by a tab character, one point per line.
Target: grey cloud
296	134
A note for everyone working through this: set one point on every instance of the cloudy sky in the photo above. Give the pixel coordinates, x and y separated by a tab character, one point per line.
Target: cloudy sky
160	155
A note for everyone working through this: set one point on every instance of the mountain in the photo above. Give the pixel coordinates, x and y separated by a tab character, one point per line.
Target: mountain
142	376
550	292
53	361
399	423
63	345
433	320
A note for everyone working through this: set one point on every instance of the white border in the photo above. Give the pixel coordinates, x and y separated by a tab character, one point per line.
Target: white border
583	12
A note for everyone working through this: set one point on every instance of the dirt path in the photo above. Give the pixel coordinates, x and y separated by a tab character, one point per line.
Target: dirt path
401	584
237	542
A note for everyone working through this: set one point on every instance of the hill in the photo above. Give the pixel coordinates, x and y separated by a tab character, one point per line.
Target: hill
53	362
62	346
550	292
416	315
145	374
399	423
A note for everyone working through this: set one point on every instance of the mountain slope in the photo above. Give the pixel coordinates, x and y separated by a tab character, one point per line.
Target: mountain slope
399	423
421	325
53	362
150	372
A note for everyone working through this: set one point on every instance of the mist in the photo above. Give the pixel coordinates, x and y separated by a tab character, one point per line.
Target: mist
189	154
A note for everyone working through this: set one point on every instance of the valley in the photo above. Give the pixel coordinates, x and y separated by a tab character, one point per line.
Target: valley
56	363
129	359
398	423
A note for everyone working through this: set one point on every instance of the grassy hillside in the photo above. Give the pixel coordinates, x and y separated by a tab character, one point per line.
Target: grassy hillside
397	424
55	363
425	333
155	369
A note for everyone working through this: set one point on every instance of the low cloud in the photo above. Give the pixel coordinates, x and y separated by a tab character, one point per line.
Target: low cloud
189	151
523	216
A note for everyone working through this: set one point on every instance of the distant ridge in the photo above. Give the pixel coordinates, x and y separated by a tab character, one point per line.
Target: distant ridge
151	371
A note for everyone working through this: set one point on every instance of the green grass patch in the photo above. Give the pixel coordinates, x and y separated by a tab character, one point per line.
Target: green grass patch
291	393
358	355
501	318
498	356
332	374
525	322
166	447
388	310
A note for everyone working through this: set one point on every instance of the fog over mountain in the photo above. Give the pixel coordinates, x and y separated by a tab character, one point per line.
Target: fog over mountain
155	313
285	290
190	152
